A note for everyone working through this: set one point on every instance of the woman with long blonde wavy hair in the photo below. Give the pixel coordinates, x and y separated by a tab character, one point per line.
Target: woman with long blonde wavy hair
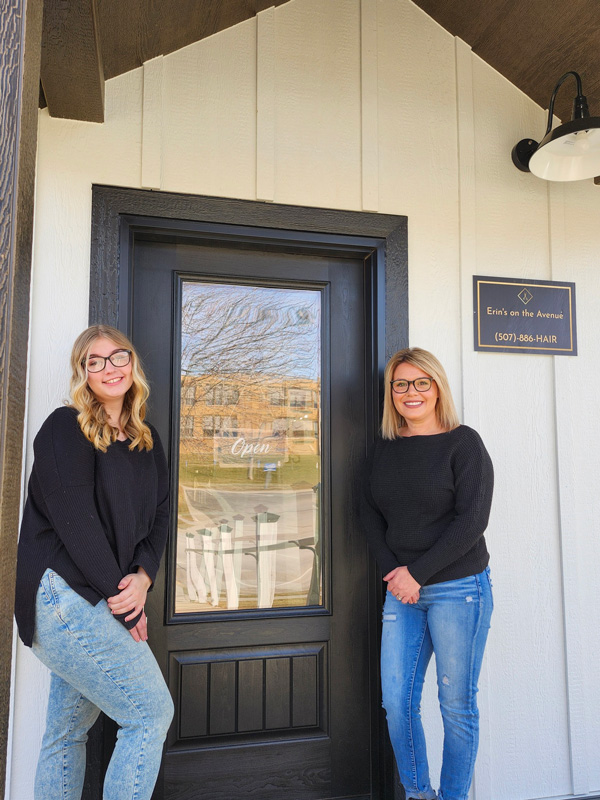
92	417
93	532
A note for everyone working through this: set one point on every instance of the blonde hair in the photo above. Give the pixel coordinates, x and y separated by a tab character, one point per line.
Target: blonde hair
445	410
92	417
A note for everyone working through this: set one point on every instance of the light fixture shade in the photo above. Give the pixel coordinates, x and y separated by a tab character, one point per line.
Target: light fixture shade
570	152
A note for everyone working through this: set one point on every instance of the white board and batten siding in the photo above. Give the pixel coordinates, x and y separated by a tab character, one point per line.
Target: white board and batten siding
370	105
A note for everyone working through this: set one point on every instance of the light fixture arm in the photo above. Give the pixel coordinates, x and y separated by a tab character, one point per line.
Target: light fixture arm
580	106
569	152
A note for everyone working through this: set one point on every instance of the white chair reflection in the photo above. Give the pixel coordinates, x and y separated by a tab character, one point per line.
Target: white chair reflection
221	547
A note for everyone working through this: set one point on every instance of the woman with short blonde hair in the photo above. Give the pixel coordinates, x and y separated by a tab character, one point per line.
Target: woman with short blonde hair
445	410
426	502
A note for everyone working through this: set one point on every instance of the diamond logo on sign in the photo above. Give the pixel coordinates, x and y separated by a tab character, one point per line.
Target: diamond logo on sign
525	296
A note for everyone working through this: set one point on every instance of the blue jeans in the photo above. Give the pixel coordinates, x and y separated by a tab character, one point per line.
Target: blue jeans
96	665
452	620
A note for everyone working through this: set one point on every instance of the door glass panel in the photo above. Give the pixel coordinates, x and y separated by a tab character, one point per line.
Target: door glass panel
249	517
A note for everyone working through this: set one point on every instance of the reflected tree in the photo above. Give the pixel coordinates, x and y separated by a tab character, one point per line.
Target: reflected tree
250	331
244	338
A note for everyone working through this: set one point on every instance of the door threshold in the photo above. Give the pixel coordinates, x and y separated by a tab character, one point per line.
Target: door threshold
360	797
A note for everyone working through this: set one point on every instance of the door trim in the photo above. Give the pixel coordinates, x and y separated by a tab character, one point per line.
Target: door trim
115	211
118	214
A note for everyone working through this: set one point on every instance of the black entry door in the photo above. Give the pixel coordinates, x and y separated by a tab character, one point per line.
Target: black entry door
260	616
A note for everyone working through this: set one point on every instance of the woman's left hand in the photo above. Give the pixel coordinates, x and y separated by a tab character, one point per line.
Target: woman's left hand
140	630
132	595
402	584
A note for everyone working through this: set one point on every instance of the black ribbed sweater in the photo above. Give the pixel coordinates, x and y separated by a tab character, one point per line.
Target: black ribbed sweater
92	517
426	503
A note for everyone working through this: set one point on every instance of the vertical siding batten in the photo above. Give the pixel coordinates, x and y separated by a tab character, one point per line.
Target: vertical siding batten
568	531
418	173
525	654
566	371
575	258
265	104
419	177
369	107
482	778
582	266
152	119
467	193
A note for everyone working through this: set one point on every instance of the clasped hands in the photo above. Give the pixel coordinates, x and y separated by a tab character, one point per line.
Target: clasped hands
133	589
402	585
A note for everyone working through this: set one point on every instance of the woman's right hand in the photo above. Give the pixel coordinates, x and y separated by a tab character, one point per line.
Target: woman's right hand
402	585
414	598
132	594
140	631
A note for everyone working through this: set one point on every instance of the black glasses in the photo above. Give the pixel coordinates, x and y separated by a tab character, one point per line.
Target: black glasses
420	384
118	359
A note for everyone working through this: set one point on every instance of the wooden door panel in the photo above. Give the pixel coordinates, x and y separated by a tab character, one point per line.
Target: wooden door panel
245	694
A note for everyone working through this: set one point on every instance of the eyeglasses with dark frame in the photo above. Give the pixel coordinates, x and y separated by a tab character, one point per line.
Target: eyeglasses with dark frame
118	359
420	384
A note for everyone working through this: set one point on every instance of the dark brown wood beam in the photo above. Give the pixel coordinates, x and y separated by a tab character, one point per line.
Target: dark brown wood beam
72	73
20	42
134	31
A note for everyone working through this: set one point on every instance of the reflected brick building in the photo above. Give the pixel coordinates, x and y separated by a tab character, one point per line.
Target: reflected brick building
279	414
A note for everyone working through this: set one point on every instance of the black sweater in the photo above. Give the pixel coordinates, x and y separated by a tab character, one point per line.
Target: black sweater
426	503
92	517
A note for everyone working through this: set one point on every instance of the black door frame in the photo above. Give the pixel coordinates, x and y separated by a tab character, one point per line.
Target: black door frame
118	214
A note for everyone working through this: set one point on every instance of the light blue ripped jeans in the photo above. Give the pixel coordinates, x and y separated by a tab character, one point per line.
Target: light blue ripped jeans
452	620
96	665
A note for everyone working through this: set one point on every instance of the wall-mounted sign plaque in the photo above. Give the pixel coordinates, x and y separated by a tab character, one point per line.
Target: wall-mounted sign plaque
524	316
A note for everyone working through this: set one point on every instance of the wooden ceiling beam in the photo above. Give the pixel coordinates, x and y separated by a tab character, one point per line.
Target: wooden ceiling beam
134	31
72	74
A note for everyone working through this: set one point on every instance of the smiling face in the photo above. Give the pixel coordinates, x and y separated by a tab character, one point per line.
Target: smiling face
417	408
111	384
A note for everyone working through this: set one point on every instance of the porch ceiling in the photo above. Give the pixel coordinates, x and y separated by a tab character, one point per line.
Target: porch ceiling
530	42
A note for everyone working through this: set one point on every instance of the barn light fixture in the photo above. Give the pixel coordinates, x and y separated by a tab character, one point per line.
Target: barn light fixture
570	152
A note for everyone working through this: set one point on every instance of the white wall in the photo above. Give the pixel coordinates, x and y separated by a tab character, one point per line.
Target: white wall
369	104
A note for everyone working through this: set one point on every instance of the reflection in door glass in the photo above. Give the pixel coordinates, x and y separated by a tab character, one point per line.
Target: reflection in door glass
249	521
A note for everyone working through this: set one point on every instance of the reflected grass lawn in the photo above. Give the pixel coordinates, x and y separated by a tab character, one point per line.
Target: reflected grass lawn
198	471
185	606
